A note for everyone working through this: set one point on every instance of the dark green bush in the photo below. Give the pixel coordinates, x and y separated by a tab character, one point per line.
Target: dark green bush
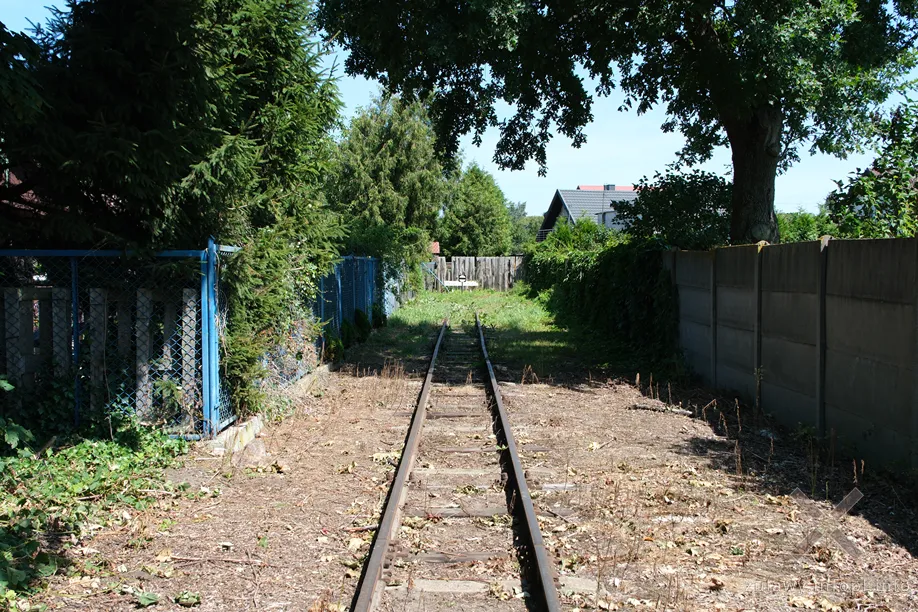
348	334
379	316
362	325
611	283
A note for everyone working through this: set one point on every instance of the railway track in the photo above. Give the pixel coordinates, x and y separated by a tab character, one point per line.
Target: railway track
459	530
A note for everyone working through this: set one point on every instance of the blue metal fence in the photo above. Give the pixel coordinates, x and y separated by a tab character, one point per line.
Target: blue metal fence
352	285
141	334
115	331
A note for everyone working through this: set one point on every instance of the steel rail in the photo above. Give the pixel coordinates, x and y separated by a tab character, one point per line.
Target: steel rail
544	574
365	597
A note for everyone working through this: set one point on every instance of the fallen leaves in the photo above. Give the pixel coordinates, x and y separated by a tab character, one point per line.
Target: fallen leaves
811	604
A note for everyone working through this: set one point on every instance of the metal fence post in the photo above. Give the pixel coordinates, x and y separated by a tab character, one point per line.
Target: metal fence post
205	344
214	416
339	296
75	318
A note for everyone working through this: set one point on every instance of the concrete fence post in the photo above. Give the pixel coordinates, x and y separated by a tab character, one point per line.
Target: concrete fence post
757	326
821	426
913	434
713	281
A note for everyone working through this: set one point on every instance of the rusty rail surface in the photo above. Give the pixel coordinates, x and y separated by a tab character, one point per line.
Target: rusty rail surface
542	591
541	564
365	598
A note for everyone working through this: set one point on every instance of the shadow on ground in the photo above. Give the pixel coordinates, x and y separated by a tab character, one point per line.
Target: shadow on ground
757	453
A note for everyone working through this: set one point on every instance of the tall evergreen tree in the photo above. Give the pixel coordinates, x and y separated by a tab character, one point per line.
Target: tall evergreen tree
476	221
387	181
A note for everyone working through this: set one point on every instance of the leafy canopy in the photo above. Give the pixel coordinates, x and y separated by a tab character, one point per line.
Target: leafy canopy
476	221
684	210
882	202
824	63
763	76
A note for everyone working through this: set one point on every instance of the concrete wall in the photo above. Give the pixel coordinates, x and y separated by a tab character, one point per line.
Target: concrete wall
821	334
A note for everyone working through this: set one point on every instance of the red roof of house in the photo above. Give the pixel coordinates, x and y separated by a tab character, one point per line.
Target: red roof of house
435	248
605	187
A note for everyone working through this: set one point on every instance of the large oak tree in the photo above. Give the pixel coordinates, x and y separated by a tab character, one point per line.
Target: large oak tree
766	77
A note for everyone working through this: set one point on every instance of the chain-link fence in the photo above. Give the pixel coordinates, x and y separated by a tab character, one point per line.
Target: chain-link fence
104	331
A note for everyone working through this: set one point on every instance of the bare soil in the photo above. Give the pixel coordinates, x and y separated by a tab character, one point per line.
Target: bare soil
676	512
642	508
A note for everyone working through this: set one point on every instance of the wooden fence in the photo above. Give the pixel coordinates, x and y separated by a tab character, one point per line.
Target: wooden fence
498	273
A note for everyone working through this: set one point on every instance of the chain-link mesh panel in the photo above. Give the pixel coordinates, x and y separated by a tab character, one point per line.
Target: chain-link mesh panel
141	339
36	339
102	335
349	287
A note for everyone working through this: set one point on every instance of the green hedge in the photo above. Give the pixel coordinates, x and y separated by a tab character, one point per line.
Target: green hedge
614	285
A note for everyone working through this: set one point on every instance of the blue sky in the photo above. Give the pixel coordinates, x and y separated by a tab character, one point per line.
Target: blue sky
620	147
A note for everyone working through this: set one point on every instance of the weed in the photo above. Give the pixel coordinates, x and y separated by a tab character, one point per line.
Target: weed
63	490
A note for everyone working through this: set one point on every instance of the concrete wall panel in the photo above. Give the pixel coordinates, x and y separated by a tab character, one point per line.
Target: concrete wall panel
876	391
736	265
867	438
870	339
791	316
736	306
879	330
790	365
741	382
872	269
791	267
694	304
693	268
788	406
735	348
696	347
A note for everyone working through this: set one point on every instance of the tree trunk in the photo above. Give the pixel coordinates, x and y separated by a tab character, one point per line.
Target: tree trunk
756	145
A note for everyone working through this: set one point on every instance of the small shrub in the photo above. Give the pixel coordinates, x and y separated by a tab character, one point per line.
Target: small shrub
379	316
362	325
348	334
334	347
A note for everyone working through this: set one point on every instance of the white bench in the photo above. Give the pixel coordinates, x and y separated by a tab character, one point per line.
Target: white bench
463	284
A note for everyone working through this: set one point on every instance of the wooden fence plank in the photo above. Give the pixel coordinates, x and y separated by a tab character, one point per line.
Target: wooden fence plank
497	273
61	315
98	324
15	365
190	376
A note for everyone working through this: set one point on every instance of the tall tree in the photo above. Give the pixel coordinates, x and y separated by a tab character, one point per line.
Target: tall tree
476	220
685	210
387	181
155	124
765	77
124	117
524	228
